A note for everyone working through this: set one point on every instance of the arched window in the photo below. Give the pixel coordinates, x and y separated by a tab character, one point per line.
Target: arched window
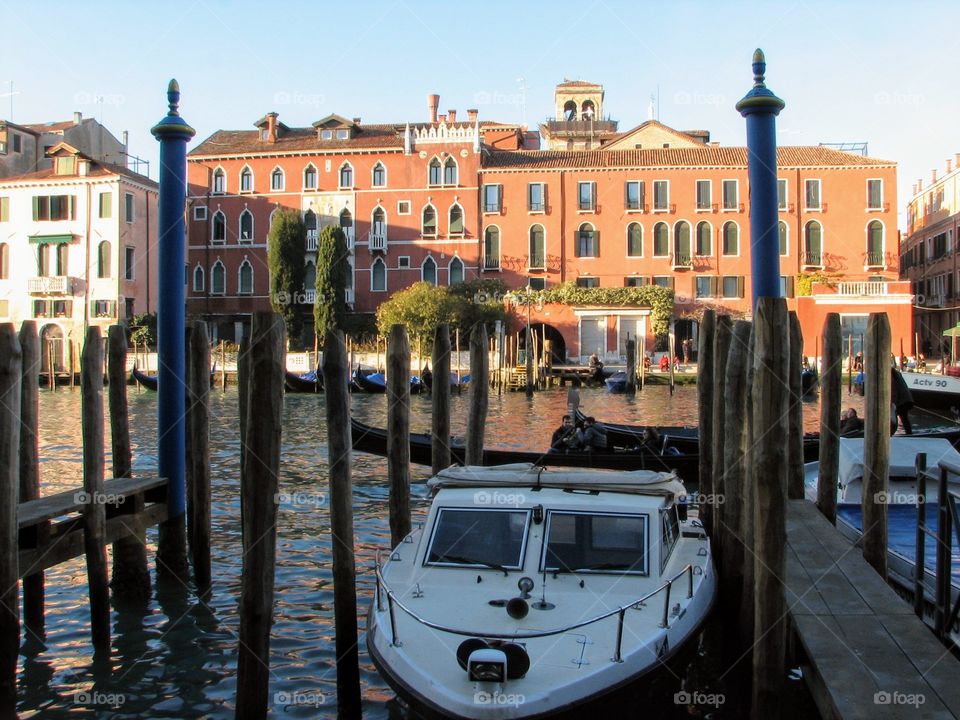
245	283
704	239
246	180
379	175
219	181
379	221
731	239
219	227
588	241
103	259
4	261
310	276
681	243
378	276
428	271
491	248
276	179
456	219
455	271
218	279
346	175
198	279
246	226
782	232
429	223
537	259
310	177
634	240
813	244
570	110
587	110
346	224
875	243
310	220
450	171
661	240
434	172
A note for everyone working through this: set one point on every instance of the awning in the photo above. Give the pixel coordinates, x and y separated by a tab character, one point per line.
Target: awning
52	239
952	332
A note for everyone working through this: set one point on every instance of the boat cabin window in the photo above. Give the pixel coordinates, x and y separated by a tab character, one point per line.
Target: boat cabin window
594	542
669	532
491	538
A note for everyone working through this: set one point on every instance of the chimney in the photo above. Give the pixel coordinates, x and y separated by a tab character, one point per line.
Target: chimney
949	165
126	140
956	160
433	102
77	117
933	176
919	184
452	114
472	115
442	118
914	190
271	127
356	121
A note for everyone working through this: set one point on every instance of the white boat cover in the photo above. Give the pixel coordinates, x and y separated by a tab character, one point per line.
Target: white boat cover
644	482
903	456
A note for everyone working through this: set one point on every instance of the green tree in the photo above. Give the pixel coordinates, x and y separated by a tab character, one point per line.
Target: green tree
421	308
286	249
144	329
330	306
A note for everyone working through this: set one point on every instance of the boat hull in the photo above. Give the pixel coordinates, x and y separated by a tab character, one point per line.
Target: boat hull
303	383
935	392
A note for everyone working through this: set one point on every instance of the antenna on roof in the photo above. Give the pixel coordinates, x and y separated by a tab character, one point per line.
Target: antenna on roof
523	100
10	95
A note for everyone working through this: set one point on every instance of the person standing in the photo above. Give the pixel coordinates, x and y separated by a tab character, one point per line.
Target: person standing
686	350
902	400
573	397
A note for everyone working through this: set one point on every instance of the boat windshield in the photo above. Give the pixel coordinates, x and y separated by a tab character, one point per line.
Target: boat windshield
491	538
585	542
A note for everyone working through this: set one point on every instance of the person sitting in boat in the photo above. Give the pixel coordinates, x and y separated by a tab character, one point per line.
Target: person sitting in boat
858	362
565	438
650	440
592	438
647	362
850	423
596	368
921	363
426	377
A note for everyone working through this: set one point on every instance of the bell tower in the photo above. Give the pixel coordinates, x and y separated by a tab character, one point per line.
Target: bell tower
578	122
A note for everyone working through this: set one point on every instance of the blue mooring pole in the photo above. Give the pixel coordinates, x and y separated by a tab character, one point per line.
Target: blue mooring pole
173	134
760	107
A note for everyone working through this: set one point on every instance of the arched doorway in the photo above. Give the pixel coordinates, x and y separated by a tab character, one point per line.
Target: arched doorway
553	338
51	348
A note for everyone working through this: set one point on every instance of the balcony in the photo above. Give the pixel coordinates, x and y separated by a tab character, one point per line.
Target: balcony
579	127
377	242
312	237
682	260
873	259
491	263
863	289
59	285
811	259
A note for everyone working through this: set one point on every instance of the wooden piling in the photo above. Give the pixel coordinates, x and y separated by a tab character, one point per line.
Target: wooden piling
830	386
795	489
722	337
398	432
11	378
131	578
198	463
631	366
477	412
223	366
749	500
705	409
339	443
94	509
33	585
850	363
261	451
643	360
671	348
457	340
876	441
51	376
440	400
71	368
770	426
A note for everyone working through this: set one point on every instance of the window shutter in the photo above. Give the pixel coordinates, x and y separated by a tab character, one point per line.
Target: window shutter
626	194
790	286
36	207
641	194
596	243
740	285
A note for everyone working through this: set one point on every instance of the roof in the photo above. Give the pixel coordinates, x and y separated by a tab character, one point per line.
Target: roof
577	83
97	170
50	127
706	156
22	128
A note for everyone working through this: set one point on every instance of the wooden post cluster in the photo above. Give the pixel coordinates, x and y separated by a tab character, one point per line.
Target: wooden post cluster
631	366
440	400
33	585
876	440
795	433
10	383
398	432
722	337
705	398
830	386
339	444
198	462
477	413
259	490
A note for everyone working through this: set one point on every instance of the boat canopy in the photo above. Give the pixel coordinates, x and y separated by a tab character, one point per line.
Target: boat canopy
903	456
639	482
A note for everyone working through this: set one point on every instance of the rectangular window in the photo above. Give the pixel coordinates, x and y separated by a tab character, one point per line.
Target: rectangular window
128	259
705	286
588	282
782	195
4	209
535	197
874	194
635	281
54	207
403	207
812	194
128	207
586	195
343	134
786	286
731	198
733	286
633	195
41	309
106	202
492	198
586	542
200	212
403	261
661	195
537	283
4	308
704	194
62	308
16	143
461	537
102	308
665	281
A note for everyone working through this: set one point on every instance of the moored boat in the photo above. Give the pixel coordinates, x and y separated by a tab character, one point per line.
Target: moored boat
151	382
617	383
376	382
308	382
529	592
934	392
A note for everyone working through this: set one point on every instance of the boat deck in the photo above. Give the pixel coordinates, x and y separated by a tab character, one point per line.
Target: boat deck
867	654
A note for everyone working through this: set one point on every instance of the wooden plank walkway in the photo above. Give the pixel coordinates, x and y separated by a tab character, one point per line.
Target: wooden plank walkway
869	655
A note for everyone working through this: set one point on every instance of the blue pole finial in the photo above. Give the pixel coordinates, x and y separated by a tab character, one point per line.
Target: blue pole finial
173	97
759	68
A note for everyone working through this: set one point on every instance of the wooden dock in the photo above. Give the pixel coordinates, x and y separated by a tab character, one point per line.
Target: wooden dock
864	652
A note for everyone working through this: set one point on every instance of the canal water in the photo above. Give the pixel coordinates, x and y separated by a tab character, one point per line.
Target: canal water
177	659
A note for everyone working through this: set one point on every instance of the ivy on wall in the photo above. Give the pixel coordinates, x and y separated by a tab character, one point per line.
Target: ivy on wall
805	282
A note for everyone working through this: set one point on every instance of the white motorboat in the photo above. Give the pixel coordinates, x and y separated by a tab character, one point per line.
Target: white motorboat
934	391
530	591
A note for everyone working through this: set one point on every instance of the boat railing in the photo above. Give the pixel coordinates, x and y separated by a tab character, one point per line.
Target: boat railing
946	534
382	589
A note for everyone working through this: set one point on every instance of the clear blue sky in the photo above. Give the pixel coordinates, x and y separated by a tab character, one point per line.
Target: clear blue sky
849	71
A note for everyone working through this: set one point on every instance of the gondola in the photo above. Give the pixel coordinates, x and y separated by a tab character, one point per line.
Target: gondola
150	382
308	382
377	382
373	440
428	381
617	383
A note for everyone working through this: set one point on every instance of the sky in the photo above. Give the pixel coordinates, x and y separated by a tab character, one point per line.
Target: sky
876	72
